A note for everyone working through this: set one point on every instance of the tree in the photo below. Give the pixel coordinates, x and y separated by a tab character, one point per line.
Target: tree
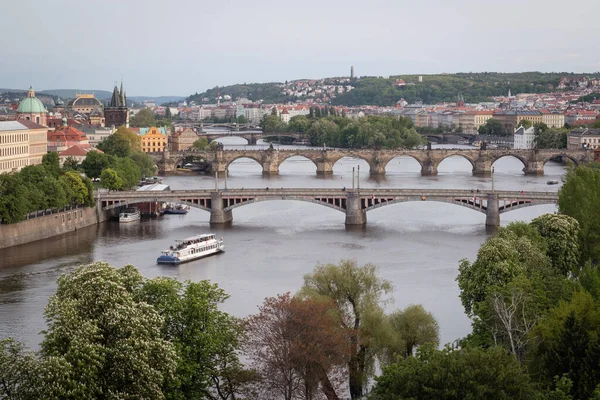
70	164
493	127
411	328
77	192
204	337
550	138
110	179
272	123
25	377
298	123
128	171
112	342
143	119
95	162
168	112
525	123
51	163
144	162
200	144
121	143
357	293
561	233
579	198
569	345
469	373
296	344
54	191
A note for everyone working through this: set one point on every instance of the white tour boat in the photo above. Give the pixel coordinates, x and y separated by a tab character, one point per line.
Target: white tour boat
191	248
129	214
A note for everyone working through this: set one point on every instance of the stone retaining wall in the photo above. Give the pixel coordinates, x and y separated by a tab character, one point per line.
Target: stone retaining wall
50	225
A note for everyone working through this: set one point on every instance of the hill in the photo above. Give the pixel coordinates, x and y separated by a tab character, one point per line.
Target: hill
474	87
268	92
99	94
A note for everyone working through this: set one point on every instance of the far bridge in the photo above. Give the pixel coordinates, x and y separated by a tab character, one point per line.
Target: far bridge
355	203
324	159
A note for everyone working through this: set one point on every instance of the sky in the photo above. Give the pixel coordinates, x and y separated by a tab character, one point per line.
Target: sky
187	46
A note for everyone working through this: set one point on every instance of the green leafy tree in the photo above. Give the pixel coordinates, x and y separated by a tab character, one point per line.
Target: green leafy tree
272	123
469	373
144	162
298	123
357	293
493	127
95	162
51	163
550	138
70	164
561	233
200	144
110	179
143	119
78	191
412	327
204	337
121	143
569	345
112	342
128	171
525	123
579	198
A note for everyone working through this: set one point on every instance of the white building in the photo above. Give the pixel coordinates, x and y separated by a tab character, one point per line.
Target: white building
524	138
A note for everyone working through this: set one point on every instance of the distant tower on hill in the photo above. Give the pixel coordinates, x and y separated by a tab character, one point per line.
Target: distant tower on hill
116	112
460	101
352	72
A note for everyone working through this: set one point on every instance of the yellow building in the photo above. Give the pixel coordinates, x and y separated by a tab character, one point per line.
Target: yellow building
22	143
470	121
511	119
553	120
153	140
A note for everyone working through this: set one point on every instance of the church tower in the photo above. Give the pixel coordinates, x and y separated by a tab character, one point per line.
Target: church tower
116	112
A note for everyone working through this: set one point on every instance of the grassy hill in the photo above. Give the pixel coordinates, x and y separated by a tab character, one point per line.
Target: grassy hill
269	92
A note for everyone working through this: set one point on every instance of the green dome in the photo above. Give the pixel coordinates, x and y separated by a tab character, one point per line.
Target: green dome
31	104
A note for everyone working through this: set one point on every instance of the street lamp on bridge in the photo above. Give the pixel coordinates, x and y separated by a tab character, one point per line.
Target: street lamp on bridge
492	179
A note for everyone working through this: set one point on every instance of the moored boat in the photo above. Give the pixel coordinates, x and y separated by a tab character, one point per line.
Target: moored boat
192	248
176	209
552	182
129	215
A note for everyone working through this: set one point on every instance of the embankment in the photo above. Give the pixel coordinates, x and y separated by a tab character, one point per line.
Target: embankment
50	225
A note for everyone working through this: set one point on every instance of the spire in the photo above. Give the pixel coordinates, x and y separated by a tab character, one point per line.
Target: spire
30	92
115	100
122	94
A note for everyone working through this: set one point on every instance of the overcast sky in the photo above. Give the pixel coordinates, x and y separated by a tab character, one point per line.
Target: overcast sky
162	47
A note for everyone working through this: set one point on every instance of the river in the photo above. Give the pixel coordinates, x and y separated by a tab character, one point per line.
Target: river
272	245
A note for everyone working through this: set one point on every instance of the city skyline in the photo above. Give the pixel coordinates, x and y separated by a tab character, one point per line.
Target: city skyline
159	49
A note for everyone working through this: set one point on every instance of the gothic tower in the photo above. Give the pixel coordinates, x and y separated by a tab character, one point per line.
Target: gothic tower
116	112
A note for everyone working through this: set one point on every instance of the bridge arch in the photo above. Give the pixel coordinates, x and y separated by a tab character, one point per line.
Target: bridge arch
239	156
456	154
303	199
565	154
335	159
290	155
513	155
152	200
438	200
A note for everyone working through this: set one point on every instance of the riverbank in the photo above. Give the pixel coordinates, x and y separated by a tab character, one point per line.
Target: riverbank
48	226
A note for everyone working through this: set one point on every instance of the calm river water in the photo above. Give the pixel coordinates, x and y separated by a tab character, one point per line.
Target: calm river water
271	245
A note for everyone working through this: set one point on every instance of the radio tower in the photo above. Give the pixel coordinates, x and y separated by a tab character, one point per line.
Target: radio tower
352	72
219	97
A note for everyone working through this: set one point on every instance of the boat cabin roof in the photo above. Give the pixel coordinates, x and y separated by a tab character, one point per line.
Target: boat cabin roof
203	236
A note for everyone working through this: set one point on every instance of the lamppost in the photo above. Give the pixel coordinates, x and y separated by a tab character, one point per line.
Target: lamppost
352	178
492	179
358	178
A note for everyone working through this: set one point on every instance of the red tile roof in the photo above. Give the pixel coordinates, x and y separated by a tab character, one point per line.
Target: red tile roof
78	150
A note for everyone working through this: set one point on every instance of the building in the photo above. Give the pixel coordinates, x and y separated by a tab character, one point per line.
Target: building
153	140
510	119
76	152
524	138
183	140
83	103
470	121
22	143
66	136
553	119
116	112
95	134
583	138
32	109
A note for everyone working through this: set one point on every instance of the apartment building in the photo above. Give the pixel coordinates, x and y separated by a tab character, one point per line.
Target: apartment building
22	143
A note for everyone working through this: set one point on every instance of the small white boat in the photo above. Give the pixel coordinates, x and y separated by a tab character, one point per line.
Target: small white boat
192	248
129	214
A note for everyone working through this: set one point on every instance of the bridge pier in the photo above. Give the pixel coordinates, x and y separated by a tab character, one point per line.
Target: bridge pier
429	169
217	213
534	168
270	168
482	168
492	214
251	140
377	169
218	167
324	168
355	215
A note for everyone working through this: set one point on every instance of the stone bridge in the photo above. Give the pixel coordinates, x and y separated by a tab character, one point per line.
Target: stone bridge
324	159
251	137
354	203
